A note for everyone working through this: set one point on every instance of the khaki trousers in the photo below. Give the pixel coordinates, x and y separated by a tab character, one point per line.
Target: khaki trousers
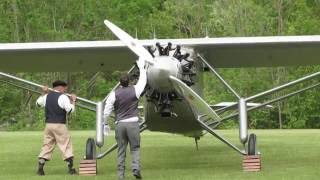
55	133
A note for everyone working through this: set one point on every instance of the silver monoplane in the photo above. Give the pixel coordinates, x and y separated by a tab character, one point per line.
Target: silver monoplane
173	100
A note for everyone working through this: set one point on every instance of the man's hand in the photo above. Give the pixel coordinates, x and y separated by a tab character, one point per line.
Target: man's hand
106	129
45	89
73	97
141	63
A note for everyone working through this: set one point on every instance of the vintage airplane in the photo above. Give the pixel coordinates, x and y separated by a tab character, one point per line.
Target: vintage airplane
173	100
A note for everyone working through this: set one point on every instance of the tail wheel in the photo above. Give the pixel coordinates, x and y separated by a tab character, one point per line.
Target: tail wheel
90	149
252	145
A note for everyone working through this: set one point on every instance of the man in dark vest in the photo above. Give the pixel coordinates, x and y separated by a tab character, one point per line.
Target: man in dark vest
124	102
57	105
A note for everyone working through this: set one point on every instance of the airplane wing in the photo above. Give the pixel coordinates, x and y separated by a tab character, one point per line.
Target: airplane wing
85	56
268	51
114	55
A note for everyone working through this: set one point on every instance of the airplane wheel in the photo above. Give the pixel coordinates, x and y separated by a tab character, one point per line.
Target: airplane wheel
90	149
252	145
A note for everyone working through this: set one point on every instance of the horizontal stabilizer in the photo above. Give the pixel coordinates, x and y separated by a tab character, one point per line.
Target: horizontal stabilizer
227	104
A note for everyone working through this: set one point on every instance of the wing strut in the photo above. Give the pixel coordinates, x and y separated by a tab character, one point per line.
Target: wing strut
199	105
219	77
35	88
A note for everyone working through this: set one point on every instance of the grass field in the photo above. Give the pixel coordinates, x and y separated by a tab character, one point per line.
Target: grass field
286	154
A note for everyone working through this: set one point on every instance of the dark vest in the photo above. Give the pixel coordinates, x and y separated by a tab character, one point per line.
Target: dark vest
126	104
54	113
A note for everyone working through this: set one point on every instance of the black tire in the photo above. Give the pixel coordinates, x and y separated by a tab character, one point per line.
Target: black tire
90	149
252	145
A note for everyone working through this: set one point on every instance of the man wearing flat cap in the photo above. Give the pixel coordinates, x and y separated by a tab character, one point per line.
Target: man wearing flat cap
124	102
57	106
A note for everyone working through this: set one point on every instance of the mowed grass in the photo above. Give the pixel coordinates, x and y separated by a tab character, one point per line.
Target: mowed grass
286	154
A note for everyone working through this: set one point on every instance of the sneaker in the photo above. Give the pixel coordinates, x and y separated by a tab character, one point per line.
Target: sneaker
136	173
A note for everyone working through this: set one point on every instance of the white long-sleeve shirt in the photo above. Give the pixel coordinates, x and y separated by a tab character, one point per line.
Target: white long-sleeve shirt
63	102
139	87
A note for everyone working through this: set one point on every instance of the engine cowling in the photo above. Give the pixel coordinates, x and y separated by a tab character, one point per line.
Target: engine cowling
167	62
159	72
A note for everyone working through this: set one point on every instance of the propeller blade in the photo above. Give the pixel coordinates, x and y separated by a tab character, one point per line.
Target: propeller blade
129	41
193	98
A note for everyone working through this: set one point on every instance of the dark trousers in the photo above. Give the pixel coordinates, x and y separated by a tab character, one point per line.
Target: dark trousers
128	132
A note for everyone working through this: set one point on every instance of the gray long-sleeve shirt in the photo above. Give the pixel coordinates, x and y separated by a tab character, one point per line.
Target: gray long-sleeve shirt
139	87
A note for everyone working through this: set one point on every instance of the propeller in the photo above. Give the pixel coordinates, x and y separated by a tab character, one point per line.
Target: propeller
129	41
193	98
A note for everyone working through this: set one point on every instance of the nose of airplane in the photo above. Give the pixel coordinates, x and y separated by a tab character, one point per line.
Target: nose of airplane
159	72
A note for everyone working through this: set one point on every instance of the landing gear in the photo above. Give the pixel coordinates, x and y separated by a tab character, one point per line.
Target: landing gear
88	166
196	139
252	161
252	145
90	149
